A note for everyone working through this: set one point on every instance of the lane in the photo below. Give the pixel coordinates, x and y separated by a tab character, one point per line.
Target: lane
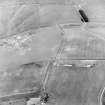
29	46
